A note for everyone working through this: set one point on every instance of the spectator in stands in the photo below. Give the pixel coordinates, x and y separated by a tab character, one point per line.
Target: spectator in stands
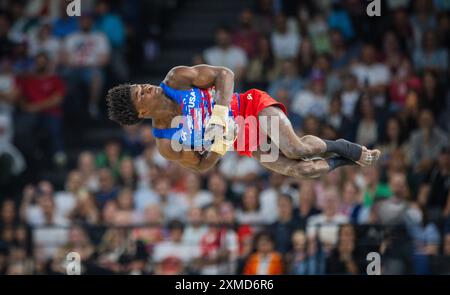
344	258
265	260
398	209
195	196
285	43
306	202
224	53
175	246
302	260
86	52
86	166
393	140
85	210
44	42
305	58
285	225
341	54
351	203
374	189
246	36
372	75
218	246
9	91
426	239
325	226
127	174
312	101
107	187
269	198
287	80
42	95
249	211
218	187
392	52
111	156
430	56
261	68
64	25
367	128
426	143
195	229
434	192
350	95
337	119
8	214
441	263
12	163
403	82
112	26
74	189
432	94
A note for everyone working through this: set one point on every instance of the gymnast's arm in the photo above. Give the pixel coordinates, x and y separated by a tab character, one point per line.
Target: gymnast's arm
189	159
204	76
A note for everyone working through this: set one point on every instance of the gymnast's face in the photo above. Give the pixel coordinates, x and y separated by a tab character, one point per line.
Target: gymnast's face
144	99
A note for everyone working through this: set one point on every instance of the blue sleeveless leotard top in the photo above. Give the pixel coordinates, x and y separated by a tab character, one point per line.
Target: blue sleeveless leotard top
196	106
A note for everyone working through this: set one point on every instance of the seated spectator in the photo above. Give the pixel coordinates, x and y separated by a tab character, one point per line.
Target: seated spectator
44	42
74	189
372	75
426	239
86	52
374	189
112	26
337	119
195	228
325	226
88	171
126	215
246	36
318	32
64	25
85	210
224	53
367	128
392	141
174	246
434	192
153	232
344	258
351	203
350	95
285	43
431	96
8	214
42	96
341	53
265	260
430	56
249	211
22	63
127	173
107	187
305	58
111	156
426	143
398	209
287	80
219	246
312	101
269	198
217	185
306	202
261	68
285	224
194	195
403	82
305	258
241	171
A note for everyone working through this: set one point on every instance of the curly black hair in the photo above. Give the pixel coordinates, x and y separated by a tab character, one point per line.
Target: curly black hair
120	106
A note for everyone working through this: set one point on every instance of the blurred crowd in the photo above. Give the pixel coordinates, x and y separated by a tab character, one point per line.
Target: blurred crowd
380	81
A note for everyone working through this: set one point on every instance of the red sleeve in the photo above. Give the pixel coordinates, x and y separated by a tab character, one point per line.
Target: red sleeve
60	85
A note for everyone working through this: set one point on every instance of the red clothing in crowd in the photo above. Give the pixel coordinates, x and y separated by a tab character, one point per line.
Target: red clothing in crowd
37	89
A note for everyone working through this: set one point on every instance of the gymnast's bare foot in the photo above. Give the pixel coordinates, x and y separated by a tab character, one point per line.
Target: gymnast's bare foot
368	157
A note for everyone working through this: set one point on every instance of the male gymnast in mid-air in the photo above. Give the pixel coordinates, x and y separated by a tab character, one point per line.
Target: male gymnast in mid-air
203	97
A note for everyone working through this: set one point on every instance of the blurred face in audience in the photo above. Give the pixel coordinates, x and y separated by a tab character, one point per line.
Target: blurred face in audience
281	23
347	232
86	162
77	235
284	207
195	217
163	187
223	38
47	205
368	54
109	212
429	81
86	23
250	199
264	245
153	214
429	40
350	193
397	183
8	212
227	213
336	39
306	194
176	234
212	216
393	129
217	184
74	181
246	18
41	63
127	168
106	180
426	120
299	240
330	204
371	175
125	199
444	159
192	182
112	150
